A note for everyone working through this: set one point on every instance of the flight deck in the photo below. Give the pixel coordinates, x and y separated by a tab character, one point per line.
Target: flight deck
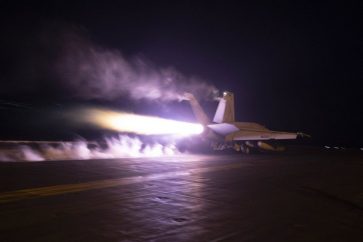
306	194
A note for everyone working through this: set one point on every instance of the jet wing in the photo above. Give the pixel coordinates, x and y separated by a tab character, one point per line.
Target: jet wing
259	135
223	128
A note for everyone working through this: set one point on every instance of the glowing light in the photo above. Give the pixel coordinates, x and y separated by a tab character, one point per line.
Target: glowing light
139	124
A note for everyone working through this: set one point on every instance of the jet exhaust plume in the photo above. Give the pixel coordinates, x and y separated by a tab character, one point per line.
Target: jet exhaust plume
138	124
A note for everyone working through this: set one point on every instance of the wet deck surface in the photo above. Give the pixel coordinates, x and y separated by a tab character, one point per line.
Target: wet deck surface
301	196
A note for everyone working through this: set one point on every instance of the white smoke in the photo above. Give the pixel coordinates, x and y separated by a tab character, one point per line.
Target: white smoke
121	147
60	60
93	72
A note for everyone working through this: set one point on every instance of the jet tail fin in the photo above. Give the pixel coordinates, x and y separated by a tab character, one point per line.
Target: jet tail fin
225	109
199	113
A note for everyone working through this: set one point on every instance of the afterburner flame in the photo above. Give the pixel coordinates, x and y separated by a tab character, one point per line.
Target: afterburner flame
140	124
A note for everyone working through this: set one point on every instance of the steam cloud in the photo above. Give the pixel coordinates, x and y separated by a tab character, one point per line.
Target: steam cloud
120	147
93	72
65	62
59	60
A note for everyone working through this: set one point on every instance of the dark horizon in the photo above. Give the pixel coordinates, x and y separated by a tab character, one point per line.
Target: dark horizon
293	67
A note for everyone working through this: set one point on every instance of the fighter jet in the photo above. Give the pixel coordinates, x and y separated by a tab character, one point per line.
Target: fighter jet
225	132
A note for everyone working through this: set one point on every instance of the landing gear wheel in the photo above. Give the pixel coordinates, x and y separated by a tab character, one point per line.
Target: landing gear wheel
237	147
245	149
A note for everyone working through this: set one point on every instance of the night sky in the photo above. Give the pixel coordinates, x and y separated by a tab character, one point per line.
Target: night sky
293	67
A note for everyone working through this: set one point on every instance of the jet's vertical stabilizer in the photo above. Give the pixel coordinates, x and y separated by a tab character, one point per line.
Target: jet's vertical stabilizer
199	113
225	109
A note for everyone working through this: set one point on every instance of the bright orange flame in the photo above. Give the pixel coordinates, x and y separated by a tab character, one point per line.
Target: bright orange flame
139	124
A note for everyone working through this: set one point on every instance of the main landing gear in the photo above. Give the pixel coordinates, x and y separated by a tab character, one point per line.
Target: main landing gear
240	148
